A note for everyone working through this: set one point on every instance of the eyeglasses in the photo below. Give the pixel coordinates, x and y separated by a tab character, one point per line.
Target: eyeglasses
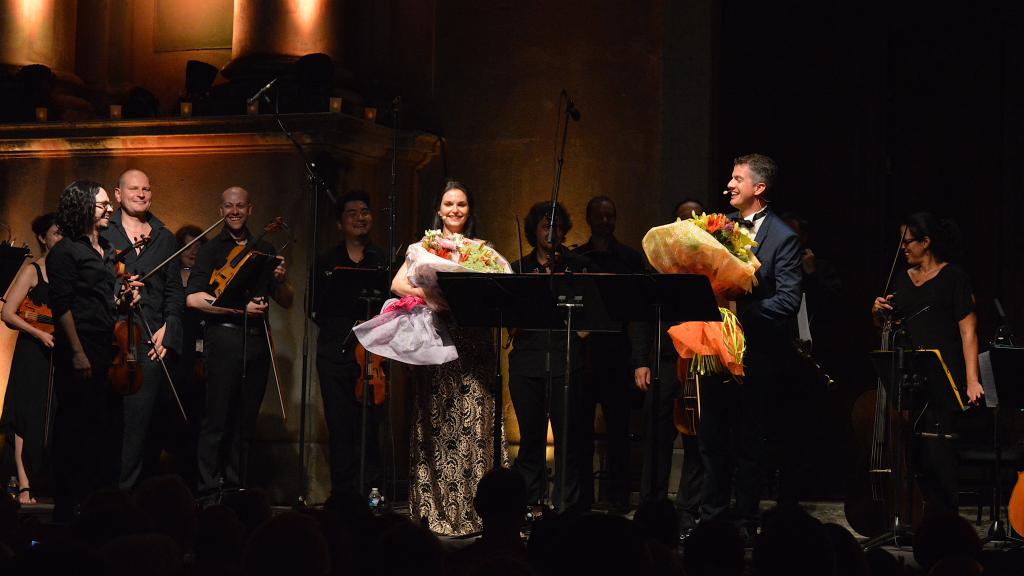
104	205
240	206
909	241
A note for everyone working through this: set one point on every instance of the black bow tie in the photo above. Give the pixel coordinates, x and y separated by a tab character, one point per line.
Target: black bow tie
739	220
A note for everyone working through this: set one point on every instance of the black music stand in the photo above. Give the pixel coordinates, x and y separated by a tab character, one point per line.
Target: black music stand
252	275
658	299
347	286
1002	391
912	378
499	301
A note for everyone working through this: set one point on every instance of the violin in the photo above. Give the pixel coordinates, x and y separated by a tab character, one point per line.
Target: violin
125	374
686	412
378	379
38	315
239	255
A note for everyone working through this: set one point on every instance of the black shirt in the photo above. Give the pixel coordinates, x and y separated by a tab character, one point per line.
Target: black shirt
83	282
213	255
950	299
163	297
529	351
334	316
611	349
617	259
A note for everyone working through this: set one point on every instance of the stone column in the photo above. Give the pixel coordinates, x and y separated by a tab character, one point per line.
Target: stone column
270	34
38	32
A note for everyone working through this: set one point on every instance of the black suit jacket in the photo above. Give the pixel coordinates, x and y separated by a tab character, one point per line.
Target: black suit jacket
768	314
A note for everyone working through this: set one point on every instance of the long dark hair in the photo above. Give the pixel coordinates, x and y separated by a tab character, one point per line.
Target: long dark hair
944	234
76	207
469	230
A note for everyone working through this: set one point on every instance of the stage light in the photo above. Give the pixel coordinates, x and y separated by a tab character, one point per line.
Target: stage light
186	109
41	113
335	104
115	111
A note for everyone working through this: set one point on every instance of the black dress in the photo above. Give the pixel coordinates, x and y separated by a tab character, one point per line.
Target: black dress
931	314
25	399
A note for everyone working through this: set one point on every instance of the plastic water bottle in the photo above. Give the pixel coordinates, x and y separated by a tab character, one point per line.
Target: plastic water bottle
374	500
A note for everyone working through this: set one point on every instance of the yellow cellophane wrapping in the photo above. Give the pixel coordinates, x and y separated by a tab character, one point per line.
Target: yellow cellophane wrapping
684	248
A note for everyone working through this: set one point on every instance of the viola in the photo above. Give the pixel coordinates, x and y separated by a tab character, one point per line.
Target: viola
38	315
239	255
378	379
125	374
686	412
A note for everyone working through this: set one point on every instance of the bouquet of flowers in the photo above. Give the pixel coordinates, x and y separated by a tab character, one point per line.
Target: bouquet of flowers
709	244
409	329
714	246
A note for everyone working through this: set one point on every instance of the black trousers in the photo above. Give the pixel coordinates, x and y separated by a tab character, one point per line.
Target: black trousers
936	463
659	439
137	416
344	415
86	426
608	384
529	400
659	432
732	440
232	405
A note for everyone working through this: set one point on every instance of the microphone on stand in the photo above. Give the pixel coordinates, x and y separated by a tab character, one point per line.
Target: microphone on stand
262	91
570	107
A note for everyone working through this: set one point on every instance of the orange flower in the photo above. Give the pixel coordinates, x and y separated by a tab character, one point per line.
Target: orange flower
715	223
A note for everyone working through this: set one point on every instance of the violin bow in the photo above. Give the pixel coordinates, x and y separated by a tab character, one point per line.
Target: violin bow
167	373
49	401
895	259
273	364
180	250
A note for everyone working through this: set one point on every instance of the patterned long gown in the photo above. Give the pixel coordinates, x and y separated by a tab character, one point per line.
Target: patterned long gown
452	440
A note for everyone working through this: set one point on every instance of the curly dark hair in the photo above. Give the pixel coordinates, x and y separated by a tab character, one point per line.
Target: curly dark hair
76	207
41	224
542	211
469	231
943	233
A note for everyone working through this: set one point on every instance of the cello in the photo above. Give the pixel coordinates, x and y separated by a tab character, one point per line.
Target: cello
881	491
1015	511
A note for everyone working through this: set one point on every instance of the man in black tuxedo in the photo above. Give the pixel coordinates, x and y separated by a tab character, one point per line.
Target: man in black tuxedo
732	433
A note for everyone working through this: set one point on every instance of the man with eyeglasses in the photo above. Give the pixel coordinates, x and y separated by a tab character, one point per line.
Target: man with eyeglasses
232	398
160	310
336	360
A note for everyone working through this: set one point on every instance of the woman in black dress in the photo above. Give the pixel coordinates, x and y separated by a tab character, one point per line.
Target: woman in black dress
27	387
934	304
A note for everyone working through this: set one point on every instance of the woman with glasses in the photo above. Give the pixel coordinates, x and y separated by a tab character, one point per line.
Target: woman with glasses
933	304
83	290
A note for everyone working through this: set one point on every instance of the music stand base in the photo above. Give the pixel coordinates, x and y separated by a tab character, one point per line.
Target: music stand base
898	537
